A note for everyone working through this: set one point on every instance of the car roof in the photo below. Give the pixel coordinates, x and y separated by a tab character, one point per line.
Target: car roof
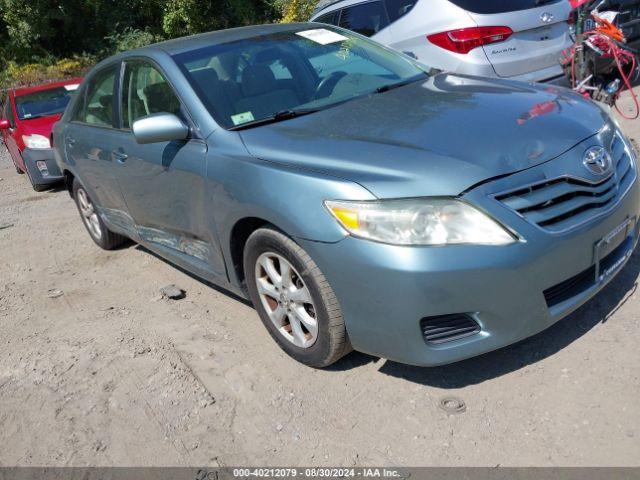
19	91
218	37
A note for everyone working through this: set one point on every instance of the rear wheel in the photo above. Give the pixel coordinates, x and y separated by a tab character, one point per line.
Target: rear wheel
294	299
97	229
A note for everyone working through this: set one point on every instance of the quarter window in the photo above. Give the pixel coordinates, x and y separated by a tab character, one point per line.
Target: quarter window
366	19
98	107
145	91
399	8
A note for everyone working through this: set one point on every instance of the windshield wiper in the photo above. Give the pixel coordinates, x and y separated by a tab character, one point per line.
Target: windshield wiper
276	117
40	115
392	86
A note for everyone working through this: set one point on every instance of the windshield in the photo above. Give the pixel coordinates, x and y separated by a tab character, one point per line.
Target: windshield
43	103
246	81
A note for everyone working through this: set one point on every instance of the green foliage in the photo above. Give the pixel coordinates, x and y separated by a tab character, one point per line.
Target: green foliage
35	73
36	34
295	10
129	39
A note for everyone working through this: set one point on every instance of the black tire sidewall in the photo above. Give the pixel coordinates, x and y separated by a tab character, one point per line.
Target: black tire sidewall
267	240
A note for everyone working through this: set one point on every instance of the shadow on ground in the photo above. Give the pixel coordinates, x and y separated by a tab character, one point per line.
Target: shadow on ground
500	362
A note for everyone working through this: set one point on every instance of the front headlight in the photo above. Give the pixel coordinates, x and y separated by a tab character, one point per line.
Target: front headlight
36	141
433	221
629	147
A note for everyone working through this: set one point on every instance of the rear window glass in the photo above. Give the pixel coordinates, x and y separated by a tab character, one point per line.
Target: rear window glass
46	102
500	6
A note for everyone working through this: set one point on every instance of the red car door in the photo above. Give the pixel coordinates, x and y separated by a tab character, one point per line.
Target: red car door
9	135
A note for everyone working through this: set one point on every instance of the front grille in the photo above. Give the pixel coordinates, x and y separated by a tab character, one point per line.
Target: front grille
563	203
445	328
586	279
570	287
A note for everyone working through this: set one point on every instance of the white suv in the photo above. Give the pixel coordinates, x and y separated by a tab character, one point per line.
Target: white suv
518	39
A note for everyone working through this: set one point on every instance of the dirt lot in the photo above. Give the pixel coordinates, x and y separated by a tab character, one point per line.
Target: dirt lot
95	369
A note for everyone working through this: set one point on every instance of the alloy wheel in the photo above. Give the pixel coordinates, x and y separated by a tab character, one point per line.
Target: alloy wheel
89	214
286	299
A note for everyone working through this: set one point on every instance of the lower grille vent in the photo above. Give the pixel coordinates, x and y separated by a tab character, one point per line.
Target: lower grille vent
586	279
445	328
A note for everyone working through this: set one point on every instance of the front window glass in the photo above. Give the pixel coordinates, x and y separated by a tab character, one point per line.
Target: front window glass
41	104
145	91
256	78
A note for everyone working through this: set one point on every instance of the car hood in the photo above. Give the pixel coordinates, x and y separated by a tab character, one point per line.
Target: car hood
437	137
39	125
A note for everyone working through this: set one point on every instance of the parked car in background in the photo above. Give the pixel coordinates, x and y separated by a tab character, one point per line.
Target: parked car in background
517	39
28	116
356	197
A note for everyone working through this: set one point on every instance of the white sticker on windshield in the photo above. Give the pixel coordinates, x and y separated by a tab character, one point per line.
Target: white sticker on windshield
241	118
71	87
322	36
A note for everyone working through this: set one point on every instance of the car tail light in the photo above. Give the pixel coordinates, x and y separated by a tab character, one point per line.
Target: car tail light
464	40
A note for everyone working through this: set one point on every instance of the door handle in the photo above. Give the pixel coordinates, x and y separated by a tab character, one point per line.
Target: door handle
71	141
120	157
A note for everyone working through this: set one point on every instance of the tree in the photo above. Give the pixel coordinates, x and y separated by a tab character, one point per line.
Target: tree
295	10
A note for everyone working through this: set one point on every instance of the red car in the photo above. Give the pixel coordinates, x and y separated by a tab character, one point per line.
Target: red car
28	116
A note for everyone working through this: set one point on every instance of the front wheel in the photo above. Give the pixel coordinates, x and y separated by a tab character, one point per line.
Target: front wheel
18	170
97	229
294	299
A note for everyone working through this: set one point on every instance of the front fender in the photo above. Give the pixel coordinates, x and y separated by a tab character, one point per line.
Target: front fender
292	199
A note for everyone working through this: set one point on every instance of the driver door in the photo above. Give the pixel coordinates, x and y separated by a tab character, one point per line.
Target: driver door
164	183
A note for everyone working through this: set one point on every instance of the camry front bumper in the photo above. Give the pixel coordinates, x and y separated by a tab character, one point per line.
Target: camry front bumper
511	292
41	166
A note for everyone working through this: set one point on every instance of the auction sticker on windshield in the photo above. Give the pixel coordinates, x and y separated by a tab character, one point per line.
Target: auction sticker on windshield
322	36
242	118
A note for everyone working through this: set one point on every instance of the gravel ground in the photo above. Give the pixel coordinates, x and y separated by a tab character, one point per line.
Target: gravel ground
97	369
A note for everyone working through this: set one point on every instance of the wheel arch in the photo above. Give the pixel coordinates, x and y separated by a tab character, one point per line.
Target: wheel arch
68	181
240	233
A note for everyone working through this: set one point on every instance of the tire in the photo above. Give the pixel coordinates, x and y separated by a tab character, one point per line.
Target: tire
18	171
98	231
328	340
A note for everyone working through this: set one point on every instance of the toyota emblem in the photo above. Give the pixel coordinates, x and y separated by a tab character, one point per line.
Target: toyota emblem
597	160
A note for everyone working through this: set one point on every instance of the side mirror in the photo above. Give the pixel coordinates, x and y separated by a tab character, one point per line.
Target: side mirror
159	127
4	124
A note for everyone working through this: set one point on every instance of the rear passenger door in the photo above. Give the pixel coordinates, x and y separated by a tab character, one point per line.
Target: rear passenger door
164	183
89	142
